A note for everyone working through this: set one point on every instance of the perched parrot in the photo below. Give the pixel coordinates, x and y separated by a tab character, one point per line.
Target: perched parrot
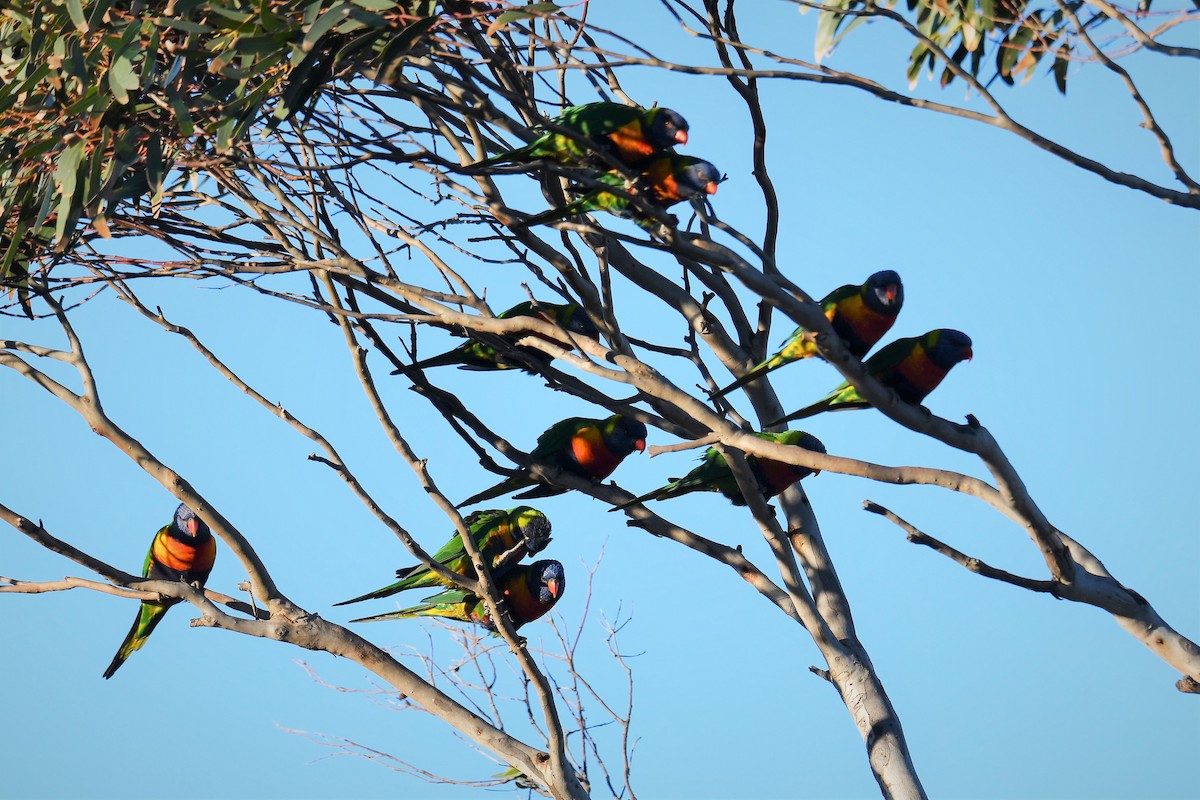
627	133
714	475
860	315
477	355
530	590
589	448
911	367
663	182
182	551
495	533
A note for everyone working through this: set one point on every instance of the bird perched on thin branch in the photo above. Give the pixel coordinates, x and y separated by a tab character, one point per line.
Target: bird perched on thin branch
714	474
627	133
530	590
495	532
911	367
859	315
478	355
182	551
587	448
662	182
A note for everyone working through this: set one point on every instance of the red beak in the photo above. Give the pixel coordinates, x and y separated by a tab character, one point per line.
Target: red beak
552	587
711	187
970	354
681	137
640	445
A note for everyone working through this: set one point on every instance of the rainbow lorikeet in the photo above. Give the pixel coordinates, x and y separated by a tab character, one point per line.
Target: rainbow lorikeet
663	182
182	551
530	590
589	448
860	315
495	532
626	133
714	475
478	355
912	368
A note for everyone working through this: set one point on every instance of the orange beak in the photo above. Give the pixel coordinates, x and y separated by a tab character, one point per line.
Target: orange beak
552	587
681	137
711	187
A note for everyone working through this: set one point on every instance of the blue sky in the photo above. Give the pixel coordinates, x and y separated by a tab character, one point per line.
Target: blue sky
1075	291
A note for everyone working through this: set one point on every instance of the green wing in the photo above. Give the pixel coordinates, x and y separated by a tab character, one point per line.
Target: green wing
838	296
890	356
598	119
477	522
454	603
558	436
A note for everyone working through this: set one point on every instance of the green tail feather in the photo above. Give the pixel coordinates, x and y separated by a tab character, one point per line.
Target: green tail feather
412	614
149	615
499	490
827	404
519	154
657	494
542	490
751	376
581	206
386	591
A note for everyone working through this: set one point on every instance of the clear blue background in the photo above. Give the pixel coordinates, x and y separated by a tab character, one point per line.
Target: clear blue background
1079	297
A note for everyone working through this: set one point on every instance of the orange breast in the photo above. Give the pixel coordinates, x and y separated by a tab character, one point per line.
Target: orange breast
922	373
181	556
590	452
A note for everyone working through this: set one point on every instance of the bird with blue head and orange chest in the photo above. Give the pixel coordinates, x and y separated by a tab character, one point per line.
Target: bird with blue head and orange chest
584	447
478	355
714	474
182	551
494	531
529	592
859	314
662	182
628	134
911	367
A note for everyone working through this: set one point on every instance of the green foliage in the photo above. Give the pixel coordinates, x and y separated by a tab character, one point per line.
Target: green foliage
1014	33
100	99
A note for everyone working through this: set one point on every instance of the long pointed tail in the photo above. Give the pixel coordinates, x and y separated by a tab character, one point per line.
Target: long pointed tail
406	614
808	411
386	591
518	155
657	494
441	360
506	486
580	206
149	615
751	376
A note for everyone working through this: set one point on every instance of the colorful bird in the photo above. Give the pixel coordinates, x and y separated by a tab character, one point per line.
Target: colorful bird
714	475
182	551
663	182
626	133
860	316
588	448
495	532
911	367
478	355
530	590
